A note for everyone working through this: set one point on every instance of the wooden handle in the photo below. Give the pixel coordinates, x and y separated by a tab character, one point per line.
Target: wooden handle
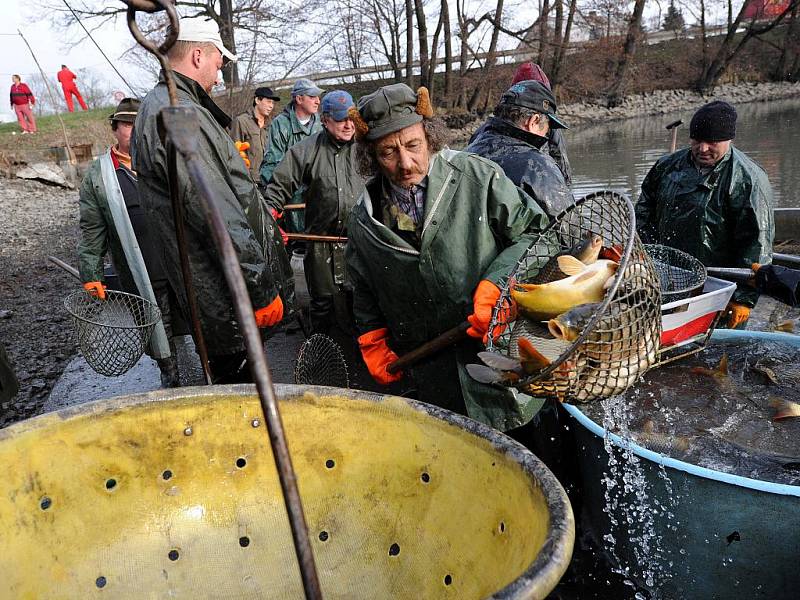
294	207
308	237
448	338
71	270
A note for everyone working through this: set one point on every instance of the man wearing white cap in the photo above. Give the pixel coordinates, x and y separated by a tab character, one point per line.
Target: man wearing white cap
196	59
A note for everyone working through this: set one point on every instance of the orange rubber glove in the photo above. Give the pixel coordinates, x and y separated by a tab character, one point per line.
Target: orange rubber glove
484	300
378	356
270	315
96	289
737	314
276	215
242	147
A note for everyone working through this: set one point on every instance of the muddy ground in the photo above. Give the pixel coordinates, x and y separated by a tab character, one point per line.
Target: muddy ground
40	221
37	220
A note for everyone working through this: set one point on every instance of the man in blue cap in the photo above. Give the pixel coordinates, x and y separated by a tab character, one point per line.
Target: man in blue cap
321	169
296	122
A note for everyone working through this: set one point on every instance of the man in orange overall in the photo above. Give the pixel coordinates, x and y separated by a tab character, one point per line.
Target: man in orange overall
67	80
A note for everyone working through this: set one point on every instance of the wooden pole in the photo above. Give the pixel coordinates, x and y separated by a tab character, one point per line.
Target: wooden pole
70	153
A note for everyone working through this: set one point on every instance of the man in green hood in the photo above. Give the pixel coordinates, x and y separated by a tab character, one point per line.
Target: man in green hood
711	201
430	240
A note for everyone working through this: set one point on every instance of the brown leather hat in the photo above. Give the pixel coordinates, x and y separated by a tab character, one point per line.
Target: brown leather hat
126	111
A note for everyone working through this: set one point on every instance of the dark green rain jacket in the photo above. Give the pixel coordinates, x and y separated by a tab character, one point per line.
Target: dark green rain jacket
98	234
325	172
284	132
477	224
723	218
262	257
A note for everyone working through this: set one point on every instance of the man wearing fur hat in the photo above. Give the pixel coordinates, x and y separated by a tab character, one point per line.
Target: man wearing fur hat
322	168
712	201
112	220
430	240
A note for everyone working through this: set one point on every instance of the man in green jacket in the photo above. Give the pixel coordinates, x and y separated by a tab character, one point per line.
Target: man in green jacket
196	59
296	122
112	220
712	201
323	167
430	240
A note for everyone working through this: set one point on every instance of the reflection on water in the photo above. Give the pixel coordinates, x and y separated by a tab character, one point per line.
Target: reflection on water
619	154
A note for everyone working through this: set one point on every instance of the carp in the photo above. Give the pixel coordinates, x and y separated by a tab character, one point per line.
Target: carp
585	251
583	284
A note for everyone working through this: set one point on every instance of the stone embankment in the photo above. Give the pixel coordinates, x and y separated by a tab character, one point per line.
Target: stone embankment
658	102
662	102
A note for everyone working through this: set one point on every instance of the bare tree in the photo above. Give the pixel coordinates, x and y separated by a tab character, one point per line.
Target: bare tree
410	43
561	51
790	52
732	45
424	56
448	49
543	31
628	51
267	23
386	23
491	56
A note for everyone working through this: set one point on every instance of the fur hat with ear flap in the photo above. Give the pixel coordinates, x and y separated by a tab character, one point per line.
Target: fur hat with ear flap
390	109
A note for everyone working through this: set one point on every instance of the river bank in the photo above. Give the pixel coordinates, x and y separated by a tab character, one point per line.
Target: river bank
579	115
38	220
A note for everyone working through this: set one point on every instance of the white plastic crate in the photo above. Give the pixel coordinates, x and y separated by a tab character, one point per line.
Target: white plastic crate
691	321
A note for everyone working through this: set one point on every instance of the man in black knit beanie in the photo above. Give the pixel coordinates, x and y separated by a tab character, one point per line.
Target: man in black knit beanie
712	201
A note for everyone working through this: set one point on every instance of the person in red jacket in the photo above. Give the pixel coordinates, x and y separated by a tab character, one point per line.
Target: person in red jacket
67	80
22	101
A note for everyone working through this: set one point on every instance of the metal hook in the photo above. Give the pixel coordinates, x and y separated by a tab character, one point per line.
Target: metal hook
153	6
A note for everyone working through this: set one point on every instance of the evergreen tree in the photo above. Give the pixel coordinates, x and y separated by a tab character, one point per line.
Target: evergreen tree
673	21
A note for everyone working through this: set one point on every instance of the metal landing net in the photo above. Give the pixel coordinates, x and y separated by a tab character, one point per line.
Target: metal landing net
620	341
112	333
320	362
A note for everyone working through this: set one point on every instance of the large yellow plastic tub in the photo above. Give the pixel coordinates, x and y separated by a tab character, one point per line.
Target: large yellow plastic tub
175	494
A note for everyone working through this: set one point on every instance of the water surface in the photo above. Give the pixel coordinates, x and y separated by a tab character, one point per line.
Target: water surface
618	154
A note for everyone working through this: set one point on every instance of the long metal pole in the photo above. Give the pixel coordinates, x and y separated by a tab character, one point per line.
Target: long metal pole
180	124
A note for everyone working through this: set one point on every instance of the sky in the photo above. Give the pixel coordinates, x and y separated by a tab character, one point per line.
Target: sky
50	52
52	49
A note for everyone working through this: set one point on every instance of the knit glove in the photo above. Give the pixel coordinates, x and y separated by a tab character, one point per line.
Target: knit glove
96	289
270	315
737	314
378	356
484	300
242	147
276	215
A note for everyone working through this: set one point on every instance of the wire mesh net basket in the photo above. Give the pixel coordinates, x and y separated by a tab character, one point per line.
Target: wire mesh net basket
112	333
320	361
579	344
680	275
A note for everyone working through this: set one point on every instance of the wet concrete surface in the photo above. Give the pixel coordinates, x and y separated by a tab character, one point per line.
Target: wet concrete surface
79	383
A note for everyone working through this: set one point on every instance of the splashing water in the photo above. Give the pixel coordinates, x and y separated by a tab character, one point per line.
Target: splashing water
628	493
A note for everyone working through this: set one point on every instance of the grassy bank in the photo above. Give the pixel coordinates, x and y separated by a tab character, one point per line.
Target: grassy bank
83	127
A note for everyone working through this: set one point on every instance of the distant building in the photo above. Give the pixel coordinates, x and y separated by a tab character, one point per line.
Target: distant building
764	9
